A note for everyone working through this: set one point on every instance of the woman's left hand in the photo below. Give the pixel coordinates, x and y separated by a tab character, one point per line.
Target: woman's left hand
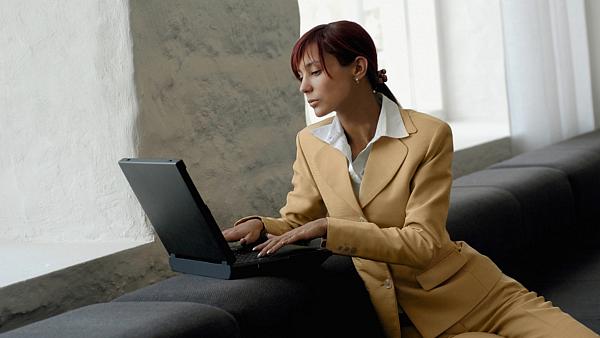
308	231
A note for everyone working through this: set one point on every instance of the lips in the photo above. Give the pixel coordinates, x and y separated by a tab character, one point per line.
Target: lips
313	102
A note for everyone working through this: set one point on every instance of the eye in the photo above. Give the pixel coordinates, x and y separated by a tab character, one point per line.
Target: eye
316	72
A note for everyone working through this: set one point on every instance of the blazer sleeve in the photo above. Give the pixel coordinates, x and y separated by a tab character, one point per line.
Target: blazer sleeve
415	243
304	202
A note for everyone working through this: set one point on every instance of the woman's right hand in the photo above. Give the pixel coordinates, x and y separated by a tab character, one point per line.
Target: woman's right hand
246	232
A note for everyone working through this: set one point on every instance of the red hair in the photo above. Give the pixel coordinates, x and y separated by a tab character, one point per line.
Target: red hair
345	40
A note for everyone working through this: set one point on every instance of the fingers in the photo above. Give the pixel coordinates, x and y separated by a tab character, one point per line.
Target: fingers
262	245
239	234
231	234
251	237
270	246
246	232
275	243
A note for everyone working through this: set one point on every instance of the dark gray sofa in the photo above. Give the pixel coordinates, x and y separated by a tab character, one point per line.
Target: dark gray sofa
537	215
135	319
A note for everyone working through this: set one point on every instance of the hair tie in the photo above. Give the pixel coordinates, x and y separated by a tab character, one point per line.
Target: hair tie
381	77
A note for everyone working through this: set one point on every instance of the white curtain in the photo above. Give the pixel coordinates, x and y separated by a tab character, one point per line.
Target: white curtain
548	76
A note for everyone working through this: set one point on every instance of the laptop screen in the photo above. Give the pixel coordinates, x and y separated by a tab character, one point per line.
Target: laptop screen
180	218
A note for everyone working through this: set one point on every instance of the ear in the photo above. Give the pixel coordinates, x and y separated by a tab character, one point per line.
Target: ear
360	67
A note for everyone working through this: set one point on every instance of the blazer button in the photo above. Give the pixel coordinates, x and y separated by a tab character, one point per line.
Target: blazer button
387	283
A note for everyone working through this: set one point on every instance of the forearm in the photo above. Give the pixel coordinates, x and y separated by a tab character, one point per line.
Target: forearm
411	245
277	226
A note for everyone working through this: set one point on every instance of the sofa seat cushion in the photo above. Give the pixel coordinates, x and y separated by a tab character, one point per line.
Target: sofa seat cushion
262	301
323	302
545	199
582	168
490	220
135	319
588	141
570	279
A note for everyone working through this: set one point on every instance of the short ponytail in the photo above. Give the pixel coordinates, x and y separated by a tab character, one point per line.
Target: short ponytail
385	90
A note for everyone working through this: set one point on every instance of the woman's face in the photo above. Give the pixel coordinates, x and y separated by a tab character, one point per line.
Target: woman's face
324	93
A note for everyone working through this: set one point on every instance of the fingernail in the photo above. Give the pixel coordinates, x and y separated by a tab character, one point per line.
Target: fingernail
254	249
268	252
259	254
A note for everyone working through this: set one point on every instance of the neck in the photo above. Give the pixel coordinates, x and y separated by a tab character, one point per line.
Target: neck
359	117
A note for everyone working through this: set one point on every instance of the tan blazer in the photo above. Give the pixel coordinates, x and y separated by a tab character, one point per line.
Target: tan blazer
396	230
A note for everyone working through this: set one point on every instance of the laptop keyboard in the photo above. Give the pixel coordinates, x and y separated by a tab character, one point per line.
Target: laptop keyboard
243	256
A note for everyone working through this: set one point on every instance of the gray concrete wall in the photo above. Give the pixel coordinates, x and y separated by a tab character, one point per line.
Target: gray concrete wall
215	88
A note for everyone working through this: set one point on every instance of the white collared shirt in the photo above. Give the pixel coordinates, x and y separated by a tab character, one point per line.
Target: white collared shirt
390	124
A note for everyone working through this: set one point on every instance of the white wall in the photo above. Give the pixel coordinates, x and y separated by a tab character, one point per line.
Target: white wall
67	116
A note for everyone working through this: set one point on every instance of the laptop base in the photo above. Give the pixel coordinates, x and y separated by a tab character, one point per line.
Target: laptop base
283	265
214	270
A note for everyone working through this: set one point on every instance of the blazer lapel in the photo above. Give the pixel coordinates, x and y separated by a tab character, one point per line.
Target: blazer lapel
385	159
333	167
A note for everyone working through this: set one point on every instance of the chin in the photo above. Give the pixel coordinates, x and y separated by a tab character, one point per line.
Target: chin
321	113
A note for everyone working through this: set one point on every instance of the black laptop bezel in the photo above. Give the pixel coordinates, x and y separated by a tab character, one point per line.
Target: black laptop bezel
212	227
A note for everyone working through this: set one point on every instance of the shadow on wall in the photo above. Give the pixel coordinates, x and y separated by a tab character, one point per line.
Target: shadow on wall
214	88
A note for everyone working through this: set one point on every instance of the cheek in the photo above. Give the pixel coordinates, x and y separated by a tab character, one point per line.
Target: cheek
332	88
341	90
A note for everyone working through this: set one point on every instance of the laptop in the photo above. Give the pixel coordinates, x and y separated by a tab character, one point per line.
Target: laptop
189	232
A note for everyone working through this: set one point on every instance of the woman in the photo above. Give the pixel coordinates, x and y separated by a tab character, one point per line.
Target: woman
374	181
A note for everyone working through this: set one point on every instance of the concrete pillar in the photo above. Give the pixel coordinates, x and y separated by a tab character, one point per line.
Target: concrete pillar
215	88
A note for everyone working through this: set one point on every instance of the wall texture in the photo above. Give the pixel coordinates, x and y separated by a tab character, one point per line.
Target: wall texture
215	88
67	116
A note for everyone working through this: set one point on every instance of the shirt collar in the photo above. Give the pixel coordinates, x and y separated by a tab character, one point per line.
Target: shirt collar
390	124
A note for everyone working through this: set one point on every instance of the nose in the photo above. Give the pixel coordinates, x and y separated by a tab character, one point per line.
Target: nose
305	87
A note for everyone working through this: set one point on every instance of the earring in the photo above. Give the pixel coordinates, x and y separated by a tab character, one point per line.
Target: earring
356	80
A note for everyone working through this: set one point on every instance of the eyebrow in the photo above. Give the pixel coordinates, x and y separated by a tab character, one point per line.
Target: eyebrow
313	62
